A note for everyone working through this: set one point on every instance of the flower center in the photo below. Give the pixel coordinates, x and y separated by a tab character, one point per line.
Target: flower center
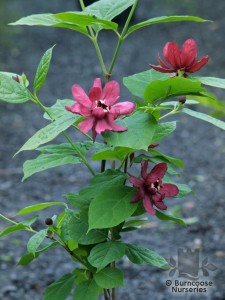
101	103
156	185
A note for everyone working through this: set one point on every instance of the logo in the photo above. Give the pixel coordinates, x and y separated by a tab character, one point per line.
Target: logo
188	264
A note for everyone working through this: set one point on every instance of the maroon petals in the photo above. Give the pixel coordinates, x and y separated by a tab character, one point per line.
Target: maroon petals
184	60
151	189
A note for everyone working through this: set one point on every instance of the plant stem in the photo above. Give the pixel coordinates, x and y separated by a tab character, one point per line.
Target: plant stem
172	112
122	37
7	219
82	157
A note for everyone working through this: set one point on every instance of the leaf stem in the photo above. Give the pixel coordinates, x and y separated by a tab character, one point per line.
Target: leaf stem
172	112
122	37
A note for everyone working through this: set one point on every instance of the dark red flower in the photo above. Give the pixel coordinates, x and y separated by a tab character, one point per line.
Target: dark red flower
152	190
180	60
99	108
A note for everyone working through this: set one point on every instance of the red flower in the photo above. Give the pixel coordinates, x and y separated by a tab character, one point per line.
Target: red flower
98	107
184	60
151	189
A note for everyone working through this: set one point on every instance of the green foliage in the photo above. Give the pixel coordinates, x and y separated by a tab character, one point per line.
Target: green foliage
42	70
60	289
11	229
162	131
164	19
36	240
12	91
140	255
86	290
165	217
39	206
105	253
109	278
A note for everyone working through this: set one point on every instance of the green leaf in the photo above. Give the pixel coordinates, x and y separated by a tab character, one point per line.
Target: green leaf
136	222
211	81
38	207
112	153
27	258
36	240
29	221
103	182
86	290
47	161
166	217
138	83
76	228
177	162
162	131
141	255
20	78
164	19
48	133
58	109
42	70
77	201
60	289
105	253
111	207
12	229
160	90
109	278
204	117
85	19
141	128
12	91
108	9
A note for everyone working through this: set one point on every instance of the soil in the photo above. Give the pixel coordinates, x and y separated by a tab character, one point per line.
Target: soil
200	145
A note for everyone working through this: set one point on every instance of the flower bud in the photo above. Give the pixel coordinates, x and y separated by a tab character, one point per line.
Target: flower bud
48	221
182	99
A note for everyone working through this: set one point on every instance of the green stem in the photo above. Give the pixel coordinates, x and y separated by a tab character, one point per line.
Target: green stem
122	37
83	158
7	219
172	112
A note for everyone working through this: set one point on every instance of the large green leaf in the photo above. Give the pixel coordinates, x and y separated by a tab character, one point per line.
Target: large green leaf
177	162
48	133
105	253
166	217
112	153
37	207
42	70
47	161
164	19
163	130
86	290
111	207
108	9
36	240
141	128
76	228
109	278
58	109
160	90
12	91
60	289
137	83
211	81
141	255
204	117
77	21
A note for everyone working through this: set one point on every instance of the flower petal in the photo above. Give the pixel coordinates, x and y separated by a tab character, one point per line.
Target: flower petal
169	189
135	181
102	125
95	94
171	53
98	83
162	70
144	166
117	127
162	63
99	113
136	197
198	65
160	205
111	92
122	108
86	124
80	95
148	205
157	173
188	53
77	108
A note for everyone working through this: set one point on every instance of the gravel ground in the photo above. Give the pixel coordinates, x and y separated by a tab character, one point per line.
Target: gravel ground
199	145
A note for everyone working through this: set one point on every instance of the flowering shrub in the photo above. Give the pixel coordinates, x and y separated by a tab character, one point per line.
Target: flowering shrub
126	134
